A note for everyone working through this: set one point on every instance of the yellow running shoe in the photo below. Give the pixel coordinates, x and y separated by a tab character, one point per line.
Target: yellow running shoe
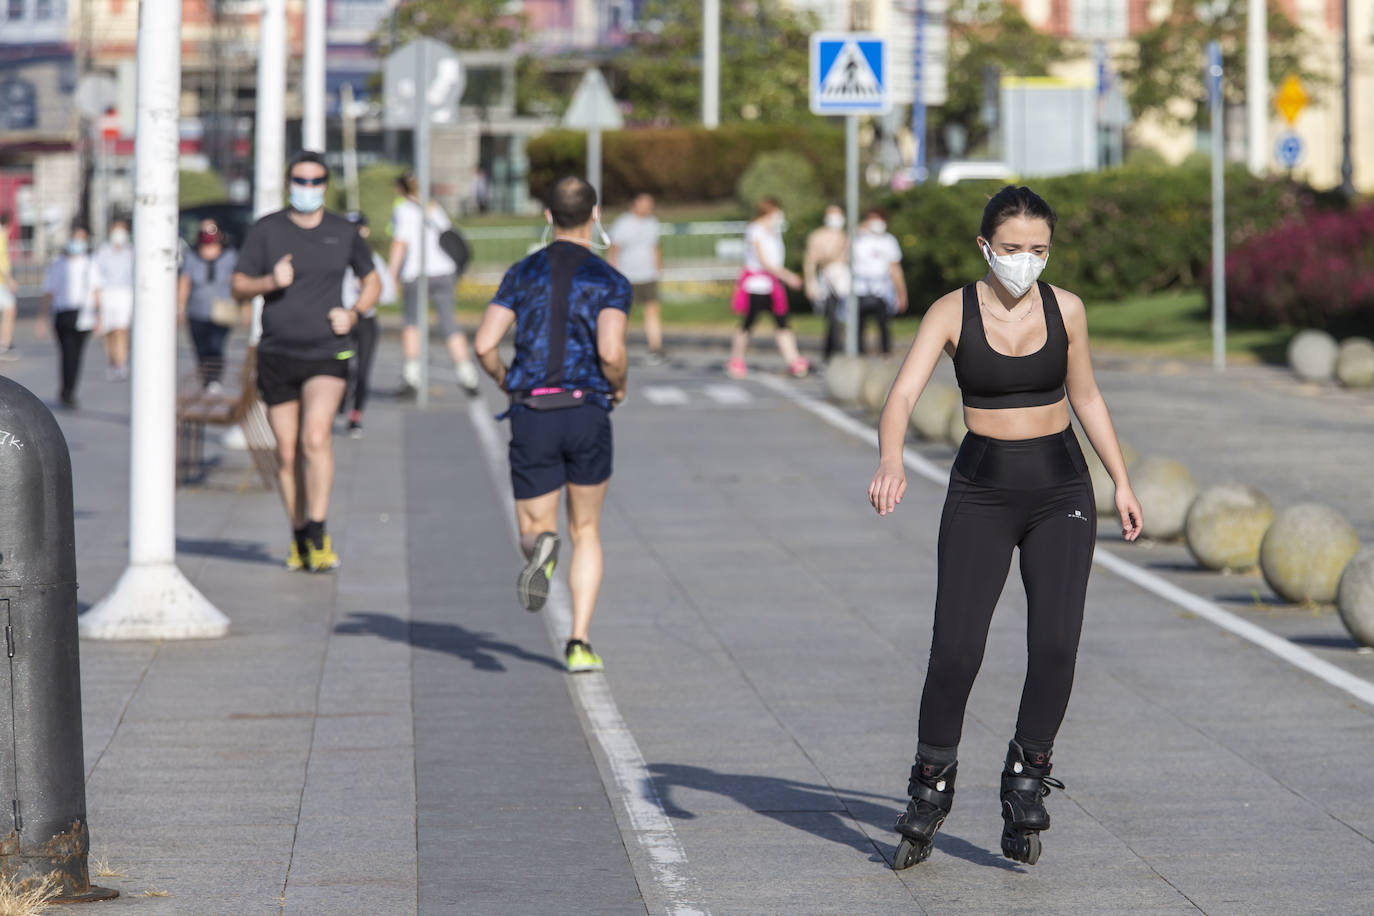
293	557
323	557
581	657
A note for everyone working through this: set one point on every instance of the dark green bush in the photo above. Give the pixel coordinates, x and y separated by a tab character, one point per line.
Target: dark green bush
684	164
787	177
1122	232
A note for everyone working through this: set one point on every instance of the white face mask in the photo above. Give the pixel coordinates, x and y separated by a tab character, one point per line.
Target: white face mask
834	220
877	226
1017	272
119	238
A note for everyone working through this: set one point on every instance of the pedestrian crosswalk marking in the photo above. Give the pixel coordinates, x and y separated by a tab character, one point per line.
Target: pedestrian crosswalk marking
722	395
850	78
732	395
665	395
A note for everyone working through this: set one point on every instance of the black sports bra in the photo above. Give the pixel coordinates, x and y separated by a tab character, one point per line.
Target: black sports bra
992	381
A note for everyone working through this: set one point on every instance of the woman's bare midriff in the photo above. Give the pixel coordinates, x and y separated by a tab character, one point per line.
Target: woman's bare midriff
1018	422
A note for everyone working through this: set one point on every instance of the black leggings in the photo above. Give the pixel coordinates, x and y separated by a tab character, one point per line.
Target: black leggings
873	308
70	345
762	304
365	338
1034	494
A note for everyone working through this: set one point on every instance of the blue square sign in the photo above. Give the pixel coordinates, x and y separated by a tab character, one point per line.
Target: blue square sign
849	74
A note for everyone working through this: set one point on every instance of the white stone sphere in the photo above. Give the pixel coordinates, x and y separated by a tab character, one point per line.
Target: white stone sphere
1305	551
1355	363
844	378
930	416
1312	355
1165	490
1226	524
1355	597
878	379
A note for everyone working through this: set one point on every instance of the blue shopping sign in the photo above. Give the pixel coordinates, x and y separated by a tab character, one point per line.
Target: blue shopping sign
849	74
1288	149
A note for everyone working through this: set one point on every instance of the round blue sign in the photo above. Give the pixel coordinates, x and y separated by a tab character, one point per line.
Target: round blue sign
1288	149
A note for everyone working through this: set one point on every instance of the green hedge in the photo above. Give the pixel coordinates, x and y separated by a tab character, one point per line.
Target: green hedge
1121	232
684	164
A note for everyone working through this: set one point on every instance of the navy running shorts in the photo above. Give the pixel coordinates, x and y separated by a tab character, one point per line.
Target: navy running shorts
549	448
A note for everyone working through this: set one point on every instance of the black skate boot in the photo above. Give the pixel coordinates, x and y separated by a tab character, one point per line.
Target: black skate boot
1026	782
931	788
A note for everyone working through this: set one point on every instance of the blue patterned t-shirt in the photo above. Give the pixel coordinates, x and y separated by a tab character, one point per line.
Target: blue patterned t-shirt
528	290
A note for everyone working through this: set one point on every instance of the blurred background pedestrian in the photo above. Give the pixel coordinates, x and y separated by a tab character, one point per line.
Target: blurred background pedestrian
68	295
114	297
636	253
825	272
205	300
762	288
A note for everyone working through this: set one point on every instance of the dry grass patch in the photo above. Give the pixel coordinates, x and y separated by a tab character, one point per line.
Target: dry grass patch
156	892
101	868
26	898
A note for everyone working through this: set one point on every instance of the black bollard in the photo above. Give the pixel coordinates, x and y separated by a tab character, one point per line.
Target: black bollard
43	764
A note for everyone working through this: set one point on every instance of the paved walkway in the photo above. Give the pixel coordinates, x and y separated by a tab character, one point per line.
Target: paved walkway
399	737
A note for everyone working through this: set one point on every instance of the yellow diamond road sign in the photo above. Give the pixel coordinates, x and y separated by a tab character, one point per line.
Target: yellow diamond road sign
1291	98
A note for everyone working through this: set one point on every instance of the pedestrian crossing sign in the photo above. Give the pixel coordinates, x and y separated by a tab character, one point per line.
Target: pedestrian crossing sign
849	74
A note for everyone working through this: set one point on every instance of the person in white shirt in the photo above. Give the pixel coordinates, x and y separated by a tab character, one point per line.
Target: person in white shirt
878	282
762	289
68	294
636	253
114	297
365	333
409	228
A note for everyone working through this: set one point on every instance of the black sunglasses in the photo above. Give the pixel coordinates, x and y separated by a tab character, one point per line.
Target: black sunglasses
309	182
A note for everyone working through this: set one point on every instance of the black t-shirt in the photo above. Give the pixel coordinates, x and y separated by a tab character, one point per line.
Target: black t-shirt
295	320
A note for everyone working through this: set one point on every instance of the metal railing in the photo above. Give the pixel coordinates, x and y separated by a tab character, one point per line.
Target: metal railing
704	250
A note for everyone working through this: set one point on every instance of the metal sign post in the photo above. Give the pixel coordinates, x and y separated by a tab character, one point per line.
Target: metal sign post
422	83
593	109
1218	209
849	76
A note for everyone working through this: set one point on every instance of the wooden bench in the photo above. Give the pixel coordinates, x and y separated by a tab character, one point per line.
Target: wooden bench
239	405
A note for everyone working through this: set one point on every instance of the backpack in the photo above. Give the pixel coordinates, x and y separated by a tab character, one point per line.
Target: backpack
452	243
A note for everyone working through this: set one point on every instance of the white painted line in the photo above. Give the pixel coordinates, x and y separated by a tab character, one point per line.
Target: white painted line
664	395
729	395
634	788
1295	655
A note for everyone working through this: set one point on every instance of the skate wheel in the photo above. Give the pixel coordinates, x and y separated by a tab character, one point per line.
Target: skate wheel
1032	848
910	852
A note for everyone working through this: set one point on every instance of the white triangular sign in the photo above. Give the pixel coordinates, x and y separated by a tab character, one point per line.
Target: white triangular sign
850	79
592	106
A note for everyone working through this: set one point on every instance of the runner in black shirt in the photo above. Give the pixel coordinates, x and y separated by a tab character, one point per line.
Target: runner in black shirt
295	259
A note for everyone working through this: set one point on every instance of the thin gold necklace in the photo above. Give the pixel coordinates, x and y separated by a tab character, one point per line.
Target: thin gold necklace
984	306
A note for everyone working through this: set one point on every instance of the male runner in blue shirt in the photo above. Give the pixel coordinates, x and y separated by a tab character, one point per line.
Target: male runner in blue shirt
569	309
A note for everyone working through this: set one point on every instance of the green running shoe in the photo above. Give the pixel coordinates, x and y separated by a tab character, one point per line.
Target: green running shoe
581	657
533	584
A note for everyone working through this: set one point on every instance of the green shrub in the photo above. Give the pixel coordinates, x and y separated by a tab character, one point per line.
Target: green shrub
684	164
196	188
786	176
1122	232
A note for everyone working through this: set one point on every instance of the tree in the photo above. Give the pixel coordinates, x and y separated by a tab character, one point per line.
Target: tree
1168	61
470	25
987	34
764	63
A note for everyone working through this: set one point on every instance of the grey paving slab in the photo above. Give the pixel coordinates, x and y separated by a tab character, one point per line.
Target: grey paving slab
511	805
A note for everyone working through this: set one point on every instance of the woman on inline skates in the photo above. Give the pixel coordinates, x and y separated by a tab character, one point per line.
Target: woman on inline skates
1020	351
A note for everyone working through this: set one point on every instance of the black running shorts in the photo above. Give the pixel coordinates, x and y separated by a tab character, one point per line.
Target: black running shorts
281	377
549	448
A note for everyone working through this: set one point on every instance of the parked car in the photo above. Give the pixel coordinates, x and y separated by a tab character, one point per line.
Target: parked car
957	170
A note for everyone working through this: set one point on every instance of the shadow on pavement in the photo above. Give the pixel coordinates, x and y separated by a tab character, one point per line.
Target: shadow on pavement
1326	642
785	799
480	649
238	551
